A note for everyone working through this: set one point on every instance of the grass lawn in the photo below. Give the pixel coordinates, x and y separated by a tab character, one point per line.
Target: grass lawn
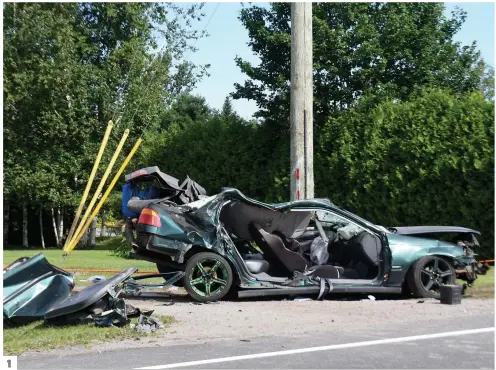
38	336
81	259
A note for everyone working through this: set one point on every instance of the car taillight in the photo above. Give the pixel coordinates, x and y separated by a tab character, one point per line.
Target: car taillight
137	174
149	217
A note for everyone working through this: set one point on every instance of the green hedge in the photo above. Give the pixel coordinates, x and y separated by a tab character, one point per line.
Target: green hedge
428	161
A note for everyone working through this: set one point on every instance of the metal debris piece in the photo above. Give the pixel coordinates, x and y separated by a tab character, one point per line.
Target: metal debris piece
116	317
147	323
93	304
31	287
133	287
96	278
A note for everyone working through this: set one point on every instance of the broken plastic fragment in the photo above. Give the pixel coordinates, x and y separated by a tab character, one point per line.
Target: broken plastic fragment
96	278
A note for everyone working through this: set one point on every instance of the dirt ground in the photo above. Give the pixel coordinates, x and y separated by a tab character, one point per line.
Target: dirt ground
244	320
249	319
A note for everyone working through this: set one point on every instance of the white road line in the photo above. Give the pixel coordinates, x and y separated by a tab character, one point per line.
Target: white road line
316	349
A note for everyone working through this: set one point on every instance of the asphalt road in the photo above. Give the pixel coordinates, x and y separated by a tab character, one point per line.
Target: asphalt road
468	350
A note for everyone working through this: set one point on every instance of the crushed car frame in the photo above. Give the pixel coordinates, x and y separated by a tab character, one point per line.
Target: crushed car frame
230	243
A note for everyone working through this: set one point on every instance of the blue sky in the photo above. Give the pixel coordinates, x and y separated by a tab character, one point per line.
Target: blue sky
228	39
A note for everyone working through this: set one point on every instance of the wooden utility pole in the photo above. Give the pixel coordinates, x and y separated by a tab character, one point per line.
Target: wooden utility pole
308	117
301	104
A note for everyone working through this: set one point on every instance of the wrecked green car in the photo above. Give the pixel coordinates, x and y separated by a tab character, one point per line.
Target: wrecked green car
231	244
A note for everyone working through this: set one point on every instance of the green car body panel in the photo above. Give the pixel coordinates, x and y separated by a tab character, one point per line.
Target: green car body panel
31	288
408	249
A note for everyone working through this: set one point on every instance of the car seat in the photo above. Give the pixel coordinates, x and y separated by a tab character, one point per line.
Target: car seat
275	250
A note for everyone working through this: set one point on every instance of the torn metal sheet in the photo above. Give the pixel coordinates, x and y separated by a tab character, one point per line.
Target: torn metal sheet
149	185
91	302
101	303
32	287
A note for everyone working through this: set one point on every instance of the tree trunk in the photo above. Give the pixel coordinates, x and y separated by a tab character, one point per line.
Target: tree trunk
60	223
103	232
92	233
41	228
6	216
55	230
25	225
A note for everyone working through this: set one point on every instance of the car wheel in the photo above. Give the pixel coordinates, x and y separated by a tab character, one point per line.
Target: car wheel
208	277
428	274
163	269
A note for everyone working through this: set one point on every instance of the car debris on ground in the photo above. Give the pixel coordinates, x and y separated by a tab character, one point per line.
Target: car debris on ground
31	287
147	323
34	289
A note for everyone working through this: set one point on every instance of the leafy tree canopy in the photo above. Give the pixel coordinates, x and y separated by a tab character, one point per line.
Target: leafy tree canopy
391	49
71	67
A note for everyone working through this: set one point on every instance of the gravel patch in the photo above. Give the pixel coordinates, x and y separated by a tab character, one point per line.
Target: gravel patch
254	319
228	320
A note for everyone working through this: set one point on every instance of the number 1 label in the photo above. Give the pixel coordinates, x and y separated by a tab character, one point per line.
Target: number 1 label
10	362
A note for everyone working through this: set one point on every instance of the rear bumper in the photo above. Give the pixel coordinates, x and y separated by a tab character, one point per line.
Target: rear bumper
171	248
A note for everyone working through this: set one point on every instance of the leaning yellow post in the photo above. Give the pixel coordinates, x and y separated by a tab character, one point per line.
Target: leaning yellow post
104	197
102	183
90	182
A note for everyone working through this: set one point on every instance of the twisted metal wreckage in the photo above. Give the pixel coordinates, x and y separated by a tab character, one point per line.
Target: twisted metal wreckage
228	243
34	290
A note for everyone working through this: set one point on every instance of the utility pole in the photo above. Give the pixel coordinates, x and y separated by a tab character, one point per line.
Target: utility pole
301	102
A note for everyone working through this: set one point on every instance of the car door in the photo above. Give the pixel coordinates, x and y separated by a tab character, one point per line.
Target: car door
344	225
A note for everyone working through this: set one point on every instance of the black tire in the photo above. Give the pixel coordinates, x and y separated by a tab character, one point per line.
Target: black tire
424	278
207	286
163	269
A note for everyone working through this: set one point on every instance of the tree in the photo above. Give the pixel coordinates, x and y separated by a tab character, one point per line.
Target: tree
186	109
486	80
71	67
227	108
215	149
392	49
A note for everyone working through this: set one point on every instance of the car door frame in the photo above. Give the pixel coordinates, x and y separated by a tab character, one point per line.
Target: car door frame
385	256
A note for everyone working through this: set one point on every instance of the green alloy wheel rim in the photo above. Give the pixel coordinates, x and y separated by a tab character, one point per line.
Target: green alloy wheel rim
208	277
